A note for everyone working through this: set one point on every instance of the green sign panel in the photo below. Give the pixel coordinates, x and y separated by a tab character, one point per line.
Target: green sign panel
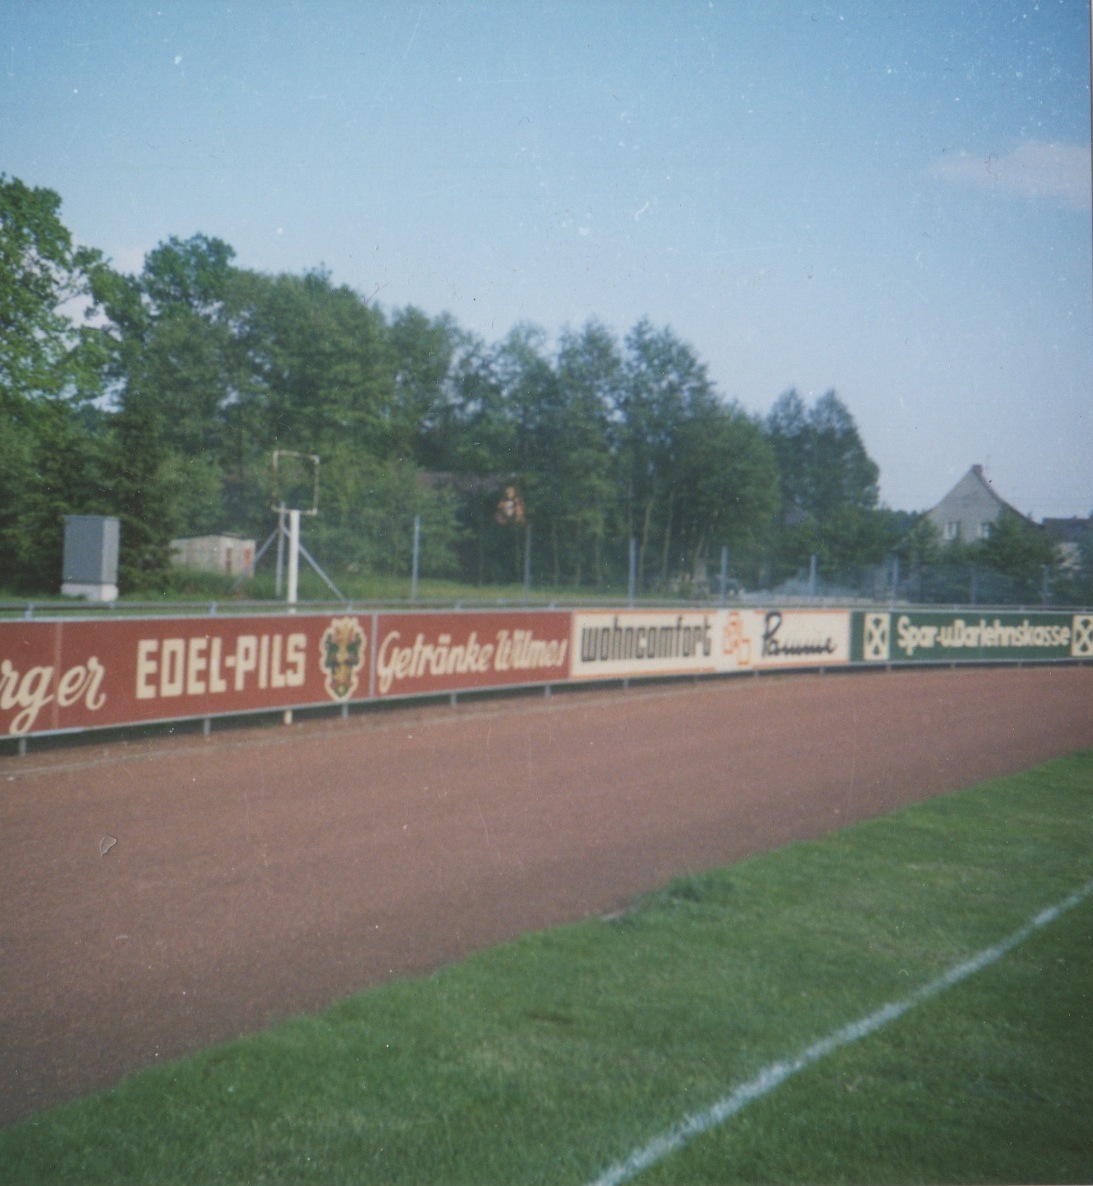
966	636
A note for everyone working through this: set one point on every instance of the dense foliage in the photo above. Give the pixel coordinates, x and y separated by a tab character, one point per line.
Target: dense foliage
161	397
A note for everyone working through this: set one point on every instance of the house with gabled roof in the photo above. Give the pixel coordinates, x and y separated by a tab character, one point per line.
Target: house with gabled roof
970	509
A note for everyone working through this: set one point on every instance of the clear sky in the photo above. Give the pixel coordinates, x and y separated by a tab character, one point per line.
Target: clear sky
890	198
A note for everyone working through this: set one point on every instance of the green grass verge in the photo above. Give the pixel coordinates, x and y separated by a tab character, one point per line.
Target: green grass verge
201	588
550	1058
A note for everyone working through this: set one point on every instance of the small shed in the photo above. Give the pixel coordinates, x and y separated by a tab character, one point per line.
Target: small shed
229	555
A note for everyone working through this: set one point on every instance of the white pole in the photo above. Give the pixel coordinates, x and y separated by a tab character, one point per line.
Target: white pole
293	555
280	551
293	573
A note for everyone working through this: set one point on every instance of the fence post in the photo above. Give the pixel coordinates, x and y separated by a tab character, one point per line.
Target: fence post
724	574
417	558
279	581
527	561
633	578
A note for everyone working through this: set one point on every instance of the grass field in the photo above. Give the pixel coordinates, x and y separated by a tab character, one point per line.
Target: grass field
201	588
554	1058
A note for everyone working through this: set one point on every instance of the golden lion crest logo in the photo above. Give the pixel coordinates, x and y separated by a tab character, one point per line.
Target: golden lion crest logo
343	649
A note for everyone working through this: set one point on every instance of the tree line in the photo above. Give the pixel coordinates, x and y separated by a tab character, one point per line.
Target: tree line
160	398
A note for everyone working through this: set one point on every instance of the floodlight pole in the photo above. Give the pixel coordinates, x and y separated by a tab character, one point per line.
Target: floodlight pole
293	556
293	568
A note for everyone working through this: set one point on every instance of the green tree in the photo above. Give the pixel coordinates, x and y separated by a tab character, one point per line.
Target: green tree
143	497
44	352
51	366
176	366
17	477
423	351
841	474
581	464
790	436
473	432
829	493
473	440
190	363
69	474
529	397
191	274
376	401
323	367
664	385
921	544
1021	551
1072	581
730	485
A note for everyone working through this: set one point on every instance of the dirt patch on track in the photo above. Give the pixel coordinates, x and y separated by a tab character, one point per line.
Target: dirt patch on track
260	874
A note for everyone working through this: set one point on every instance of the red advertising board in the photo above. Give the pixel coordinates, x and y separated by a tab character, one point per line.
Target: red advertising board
429	653
65	675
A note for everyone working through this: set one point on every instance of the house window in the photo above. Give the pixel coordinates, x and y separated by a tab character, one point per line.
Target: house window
985	530
952	529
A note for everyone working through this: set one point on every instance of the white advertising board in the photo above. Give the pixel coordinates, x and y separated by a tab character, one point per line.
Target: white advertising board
770	638
631	644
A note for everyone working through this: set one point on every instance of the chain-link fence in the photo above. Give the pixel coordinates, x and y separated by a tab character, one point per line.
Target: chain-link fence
935	584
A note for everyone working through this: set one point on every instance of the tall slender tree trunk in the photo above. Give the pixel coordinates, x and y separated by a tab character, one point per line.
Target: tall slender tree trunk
644	541
665	555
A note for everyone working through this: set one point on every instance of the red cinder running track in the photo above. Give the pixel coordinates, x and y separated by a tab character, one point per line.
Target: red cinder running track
266	872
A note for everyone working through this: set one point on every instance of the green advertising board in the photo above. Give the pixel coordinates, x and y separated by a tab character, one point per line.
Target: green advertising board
968	636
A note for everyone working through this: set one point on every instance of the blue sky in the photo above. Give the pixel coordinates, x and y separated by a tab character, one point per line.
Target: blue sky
890	198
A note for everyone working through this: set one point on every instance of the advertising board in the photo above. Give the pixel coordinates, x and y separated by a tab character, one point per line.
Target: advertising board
614	644
929	636
66	675
773	638
630	644
421	654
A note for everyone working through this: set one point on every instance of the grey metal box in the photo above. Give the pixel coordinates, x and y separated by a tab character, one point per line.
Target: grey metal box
91	550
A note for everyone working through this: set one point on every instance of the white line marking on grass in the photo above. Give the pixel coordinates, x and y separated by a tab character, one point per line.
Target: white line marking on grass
777	1073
